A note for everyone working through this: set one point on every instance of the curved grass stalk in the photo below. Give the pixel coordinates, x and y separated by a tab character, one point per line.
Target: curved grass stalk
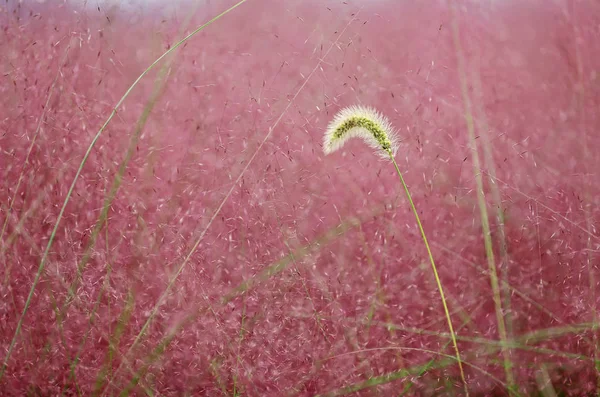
44	259
377	132
167	340
159	86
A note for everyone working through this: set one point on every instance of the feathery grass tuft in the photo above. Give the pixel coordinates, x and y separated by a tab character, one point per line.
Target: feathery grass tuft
365	123
377	132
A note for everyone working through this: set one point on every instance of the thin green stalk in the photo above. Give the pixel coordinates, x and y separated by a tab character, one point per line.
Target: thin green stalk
497	200
487	238
44	259
114	341
200	238
403	373
276	268
435	273
587	202
431	362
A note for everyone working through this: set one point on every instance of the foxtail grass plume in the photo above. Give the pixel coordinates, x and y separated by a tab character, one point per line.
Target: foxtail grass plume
376	130
365	123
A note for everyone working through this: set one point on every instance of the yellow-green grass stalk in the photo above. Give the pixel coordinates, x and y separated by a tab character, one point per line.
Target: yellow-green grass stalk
377	132
485	224
167	340
483	128
88	152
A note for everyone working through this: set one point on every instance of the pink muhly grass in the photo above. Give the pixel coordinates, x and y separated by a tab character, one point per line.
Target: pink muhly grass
311	279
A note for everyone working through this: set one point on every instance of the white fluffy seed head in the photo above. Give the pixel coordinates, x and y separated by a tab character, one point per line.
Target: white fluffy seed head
365	123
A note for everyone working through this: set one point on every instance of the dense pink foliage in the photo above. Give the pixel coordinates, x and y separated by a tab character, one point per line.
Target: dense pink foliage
277	71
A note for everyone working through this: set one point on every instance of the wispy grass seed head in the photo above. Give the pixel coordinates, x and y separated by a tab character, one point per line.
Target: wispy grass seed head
365	123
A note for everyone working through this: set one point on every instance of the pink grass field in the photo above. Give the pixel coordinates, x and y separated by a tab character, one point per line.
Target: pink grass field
233	258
